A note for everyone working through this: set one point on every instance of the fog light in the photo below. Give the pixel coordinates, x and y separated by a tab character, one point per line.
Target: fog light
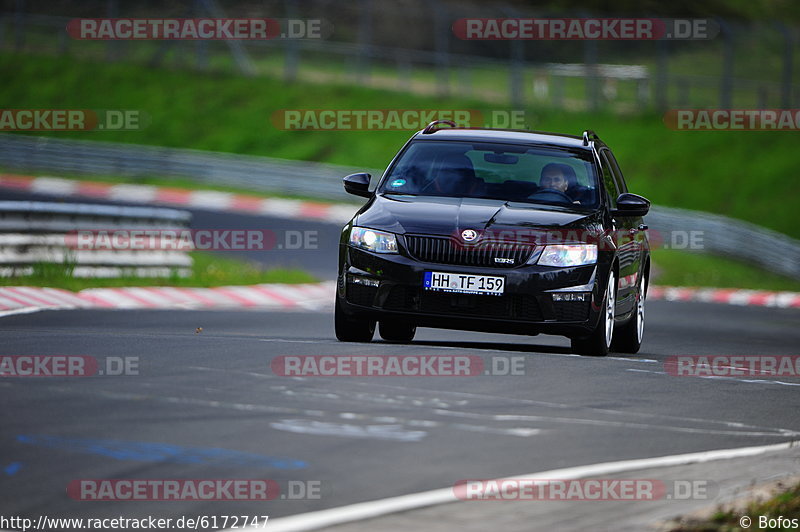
366	281
570	296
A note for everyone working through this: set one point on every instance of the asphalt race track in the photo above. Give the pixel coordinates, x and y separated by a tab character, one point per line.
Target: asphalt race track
208	405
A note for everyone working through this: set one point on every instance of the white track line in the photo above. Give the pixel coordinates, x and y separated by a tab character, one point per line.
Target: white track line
371	509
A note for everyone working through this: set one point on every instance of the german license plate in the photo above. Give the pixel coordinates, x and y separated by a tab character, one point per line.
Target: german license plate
463	283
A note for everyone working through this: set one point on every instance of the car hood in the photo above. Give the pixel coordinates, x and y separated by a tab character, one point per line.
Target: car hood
445	216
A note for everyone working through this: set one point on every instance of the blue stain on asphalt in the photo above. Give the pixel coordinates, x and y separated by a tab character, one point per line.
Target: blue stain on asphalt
12	468
159	452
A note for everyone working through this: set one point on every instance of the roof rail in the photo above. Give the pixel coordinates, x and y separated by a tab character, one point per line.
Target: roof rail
430	128
589	135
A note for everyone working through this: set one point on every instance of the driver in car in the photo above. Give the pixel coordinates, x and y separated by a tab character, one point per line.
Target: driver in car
554	177
553	184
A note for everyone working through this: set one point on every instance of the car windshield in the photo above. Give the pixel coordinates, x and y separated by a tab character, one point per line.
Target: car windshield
543	175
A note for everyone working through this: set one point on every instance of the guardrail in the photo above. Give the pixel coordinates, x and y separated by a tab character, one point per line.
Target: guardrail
719	234
35	235
20	152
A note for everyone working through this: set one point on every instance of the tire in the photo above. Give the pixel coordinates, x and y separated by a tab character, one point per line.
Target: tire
598	343
397	332
352	330
628	338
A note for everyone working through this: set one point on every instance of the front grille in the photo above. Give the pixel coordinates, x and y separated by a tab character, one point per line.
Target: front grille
401	298
466	304
511	306
444	250
527	308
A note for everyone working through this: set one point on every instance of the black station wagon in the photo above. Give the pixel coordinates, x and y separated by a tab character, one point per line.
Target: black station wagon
498	231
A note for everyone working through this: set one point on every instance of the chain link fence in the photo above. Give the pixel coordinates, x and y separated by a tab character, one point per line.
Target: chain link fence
411	46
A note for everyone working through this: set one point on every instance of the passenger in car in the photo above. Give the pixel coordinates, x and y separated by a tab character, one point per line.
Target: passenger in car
458	177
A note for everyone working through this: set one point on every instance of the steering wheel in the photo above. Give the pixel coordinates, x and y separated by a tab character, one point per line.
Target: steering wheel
550	194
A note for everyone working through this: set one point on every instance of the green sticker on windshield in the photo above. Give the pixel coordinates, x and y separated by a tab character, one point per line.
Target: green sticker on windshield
398	182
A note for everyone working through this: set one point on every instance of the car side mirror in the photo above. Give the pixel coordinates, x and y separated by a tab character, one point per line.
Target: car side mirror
631	205
357	184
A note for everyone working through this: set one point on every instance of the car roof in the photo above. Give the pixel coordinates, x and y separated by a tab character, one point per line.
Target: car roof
510	136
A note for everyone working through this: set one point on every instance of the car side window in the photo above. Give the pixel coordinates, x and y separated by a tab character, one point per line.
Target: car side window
609	183
616	171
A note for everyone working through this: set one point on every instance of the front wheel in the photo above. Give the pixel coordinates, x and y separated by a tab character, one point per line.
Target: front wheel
598	343
352	330
628	338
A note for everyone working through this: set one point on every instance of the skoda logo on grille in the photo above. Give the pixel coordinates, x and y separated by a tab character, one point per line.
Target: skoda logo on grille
469	235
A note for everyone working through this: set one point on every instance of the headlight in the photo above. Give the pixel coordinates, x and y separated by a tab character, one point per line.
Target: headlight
568	255
372	240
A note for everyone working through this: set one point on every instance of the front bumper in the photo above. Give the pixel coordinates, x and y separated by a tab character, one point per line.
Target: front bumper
390	286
